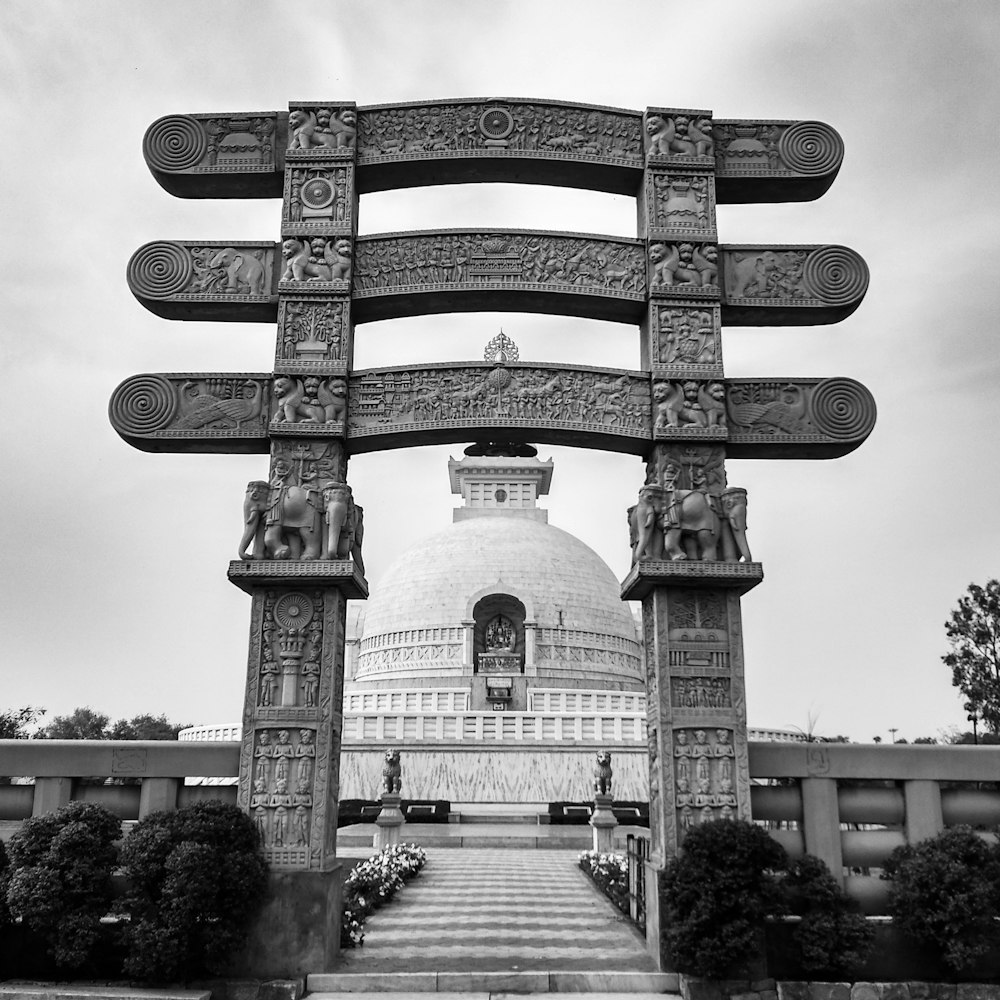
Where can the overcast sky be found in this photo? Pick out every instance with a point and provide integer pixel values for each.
(113, 589)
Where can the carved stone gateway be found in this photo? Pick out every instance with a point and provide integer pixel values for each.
(299, 549)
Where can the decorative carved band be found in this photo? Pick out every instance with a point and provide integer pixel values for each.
(174, 143)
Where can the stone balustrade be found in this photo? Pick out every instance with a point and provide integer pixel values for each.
(849, 804)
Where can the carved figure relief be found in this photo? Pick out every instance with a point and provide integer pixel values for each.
(531, 258)
(700, 692)
(766, 274)
(310, 400)
(683, 264)
(218, 403)
(283, 818)
(679, 135)
(680, 201)
(709, 755)
(684, 337)
(699, 610)
(502, 392)
(536, 128)
(242, 272)
(318, 194)
(322, 128)
(689, 404)
(318, 259)
(312, 331)
(768, 407)
(806, 147)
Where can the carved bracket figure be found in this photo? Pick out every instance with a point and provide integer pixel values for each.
(683, 264)
(318, 260)
(345, 527)
(689, 404)
(675, 524)
(310, 400)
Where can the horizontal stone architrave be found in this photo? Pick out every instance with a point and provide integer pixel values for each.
(113, 758)
(229, 412)
(568, 274)
(397, 407)
(599, 148)
(461, 270)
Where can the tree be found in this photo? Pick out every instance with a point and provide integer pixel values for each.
(14, 724)
(81, 724)
(973, 630)
(145, 727)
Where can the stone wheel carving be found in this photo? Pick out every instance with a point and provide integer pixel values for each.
(811, 148)
(293, 611)
(176, 142)
(496, 123)
(842, 408)
(143, 404)
(836, 275)
(159, 270)
(317, 193)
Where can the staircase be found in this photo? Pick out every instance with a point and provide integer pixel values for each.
(494, 921)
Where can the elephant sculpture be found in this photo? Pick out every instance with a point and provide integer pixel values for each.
(245, 274)
(685, 524)
(254, 509)
(344, 529)
(293, 521)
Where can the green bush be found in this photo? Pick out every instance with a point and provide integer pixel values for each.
(4, 880)
(59, 882)
(196, 878)
(373, 882)
(717, 894)
(833, 938)
(610, 873)
(945, 894)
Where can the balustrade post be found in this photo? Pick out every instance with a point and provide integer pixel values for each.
(821, 823)
(158, 795)
(924, 818)
(51, 794)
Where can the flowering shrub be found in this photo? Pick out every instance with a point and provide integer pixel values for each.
(610, 874)
(372, 883)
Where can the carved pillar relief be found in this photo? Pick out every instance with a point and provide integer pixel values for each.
(292, 723)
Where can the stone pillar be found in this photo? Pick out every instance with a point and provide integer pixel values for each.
(290, 758)
(695, 704)
(603, 822)
(388, 821)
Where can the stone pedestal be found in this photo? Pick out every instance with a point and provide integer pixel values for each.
(388, 821)
(290, 758)
(695, 702)
(603, 821)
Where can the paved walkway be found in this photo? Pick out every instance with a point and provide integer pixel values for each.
(499, 910)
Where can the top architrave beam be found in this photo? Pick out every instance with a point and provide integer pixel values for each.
(232, 155)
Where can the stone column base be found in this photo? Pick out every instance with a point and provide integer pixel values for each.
(297, 931)
(388, 821)
(603, 821)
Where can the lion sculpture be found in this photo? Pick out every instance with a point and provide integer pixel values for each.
(392, 773)
(602, 773)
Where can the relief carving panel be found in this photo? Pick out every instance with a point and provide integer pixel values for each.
(776, 147)
(513, 394)
(312, 333)
(319, 196)
(685, 336)
(193, 272)
(595, 265)
(468, 128)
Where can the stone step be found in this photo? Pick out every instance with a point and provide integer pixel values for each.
(70, 991)
(594, 985)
